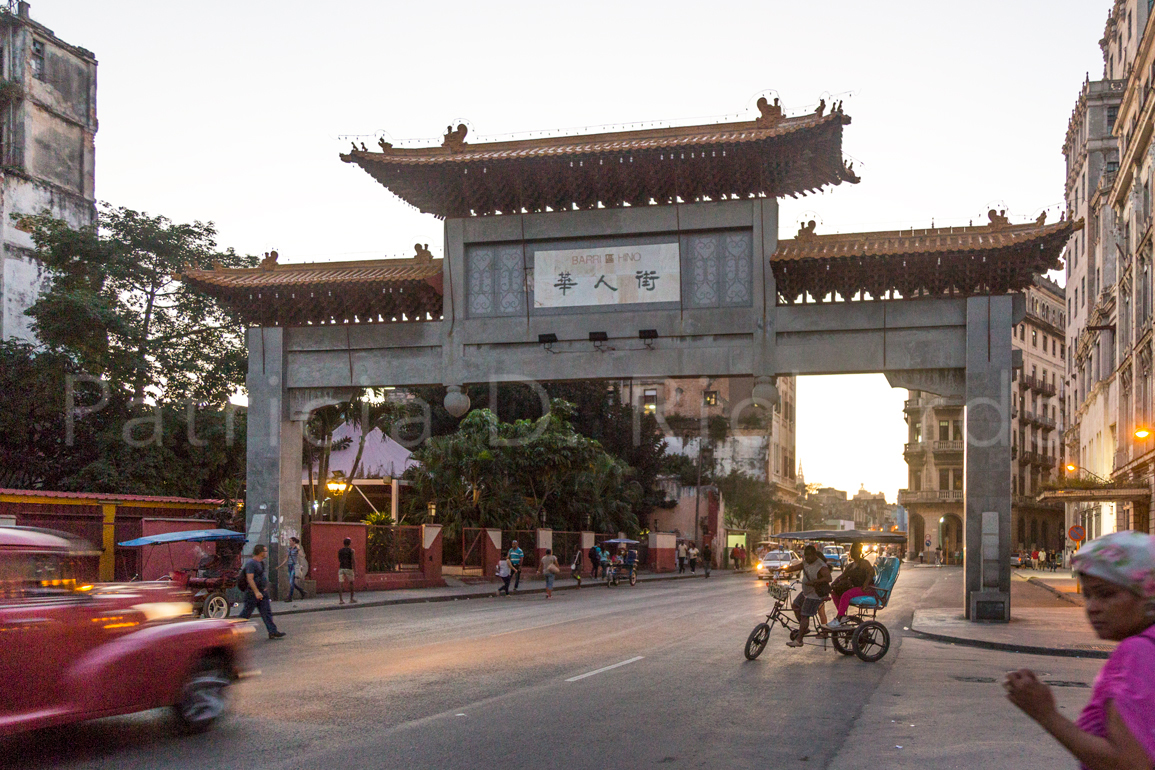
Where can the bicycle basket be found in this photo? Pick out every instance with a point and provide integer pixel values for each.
(779, 592)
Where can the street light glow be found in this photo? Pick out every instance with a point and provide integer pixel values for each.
(1071, 468)
(1142, 433)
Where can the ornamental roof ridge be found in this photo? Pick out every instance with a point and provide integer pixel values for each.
(455, 148)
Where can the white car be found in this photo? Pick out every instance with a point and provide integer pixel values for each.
(774, 561)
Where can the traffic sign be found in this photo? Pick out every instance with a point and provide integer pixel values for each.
(927, 544)
(1077, 533)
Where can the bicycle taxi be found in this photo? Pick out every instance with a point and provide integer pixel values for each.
(627, 568)
(862, 634)
(210, 582)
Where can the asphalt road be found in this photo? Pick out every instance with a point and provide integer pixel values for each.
(519, 683)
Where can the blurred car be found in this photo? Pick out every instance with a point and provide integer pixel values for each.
(773, 561)
(74, 651)
(836, 556)
(1019, 559)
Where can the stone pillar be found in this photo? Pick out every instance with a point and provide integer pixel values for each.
(491, 542)
(544, 542)
(273, 453)
(662, 546)
(987, 459)
(431, 551)
(587, 540)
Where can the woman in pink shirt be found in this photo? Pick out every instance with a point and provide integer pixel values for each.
(1117, 728)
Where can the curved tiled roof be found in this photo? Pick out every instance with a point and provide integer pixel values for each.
(773, 156)
(327, 292)
(959, 261)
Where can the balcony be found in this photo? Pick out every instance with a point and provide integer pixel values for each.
(1044, 422)
(947, 447)
(1038, 385)
(911, 405)
(907, 496)
(916, 450)
(1035, 458)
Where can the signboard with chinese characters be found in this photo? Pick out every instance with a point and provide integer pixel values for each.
(607, 275)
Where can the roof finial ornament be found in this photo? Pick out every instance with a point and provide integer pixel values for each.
(806, 231)
(771, 114)
(1042, 220)
(423, 253)
(385, 146)
(354, 147)
(455, 138)
(821, 108)
(270, 260)
(998, 218)
(849, 169)
(364, 148)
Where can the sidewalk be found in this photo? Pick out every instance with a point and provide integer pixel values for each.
(1060, 583)
(1053, 631)
(457, 590)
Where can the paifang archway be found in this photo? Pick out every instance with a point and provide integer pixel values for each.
(643, 253)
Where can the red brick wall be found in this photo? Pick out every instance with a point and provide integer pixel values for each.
(326, 538)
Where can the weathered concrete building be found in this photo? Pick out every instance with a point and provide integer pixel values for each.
(1110, 172)
(47, 151)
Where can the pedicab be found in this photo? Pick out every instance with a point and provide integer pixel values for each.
(861, 634)
(211, 580)
(628, 568)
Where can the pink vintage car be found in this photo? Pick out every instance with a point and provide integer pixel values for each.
(72, 650)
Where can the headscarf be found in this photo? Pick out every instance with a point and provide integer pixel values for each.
(1126, 559)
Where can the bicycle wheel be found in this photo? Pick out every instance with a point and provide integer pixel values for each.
(842, 641)
(871, 641)
(757, 640)
(633, 577)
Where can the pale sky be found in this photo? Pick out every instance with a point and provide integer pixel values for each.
(235, 112)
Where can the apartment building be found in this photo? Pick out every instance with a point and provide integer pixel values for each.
(758, 442)
(47, 151)
(1111, 170)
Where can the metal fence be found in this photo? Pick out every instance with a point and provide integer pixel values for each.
(393, 549)
(565, 545)
(471, 546)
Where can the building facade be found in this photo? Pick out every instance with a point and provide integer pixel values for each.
(1110, 172)
(935, 444)
(47, 151)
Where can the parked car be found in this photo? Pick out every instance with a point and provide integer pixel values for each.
(1019, 559)
(74, 651)
(774, 561)
(836, 556)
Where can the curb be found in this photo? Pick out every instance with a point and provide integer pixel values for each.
(454, 597)
(1025, 649)
(1052, 589)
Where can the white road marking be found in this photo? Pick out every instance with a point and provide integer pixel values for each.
(607, 668)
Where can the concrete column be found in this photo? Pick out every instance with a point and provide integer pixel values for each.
(587, 540)
(431, 551)
(544, 542)
(273, 451)
(987, 457)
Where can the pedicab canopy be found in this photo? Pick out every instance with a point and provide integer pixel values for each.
(843, 536)
(192, 536)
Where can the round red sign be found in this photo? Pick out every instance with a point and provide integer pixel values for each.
(1077, 533)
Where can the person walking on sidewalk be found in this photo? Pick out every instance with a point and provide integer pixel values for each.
(595, 561)
(575, 569)
(682, 551)
(516, 556)
(346, 571)
(1117, 727)
(693, 556)
(707, 558)
(255, 596)
(505, 572)
(295, 560)
(548, 567)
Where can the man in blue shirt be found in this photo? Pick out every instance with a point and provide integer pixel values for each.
(515, 557)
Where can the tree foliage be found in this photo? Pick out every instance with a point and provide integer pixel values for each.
(749, 501)
(127, 392)
(525, 473)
